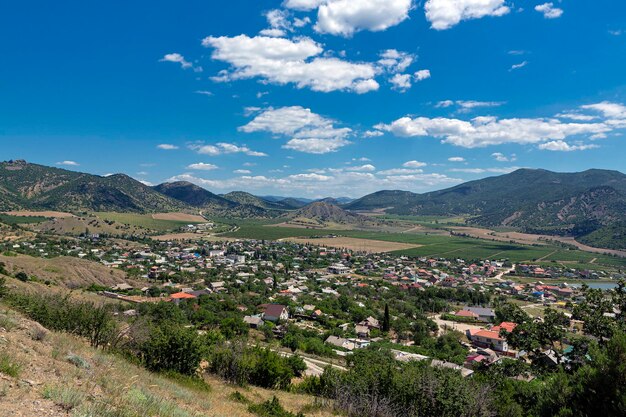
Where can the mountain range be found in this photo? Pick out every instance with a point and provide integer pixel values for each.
(589, 205)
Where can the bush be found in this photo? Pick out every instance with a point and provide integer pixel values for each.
(271, 408)
(21, 276)
(96, 323)
(8, 366)
(173, 348)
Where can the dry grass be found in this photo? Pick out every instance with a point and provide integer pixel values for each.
(180, 217)
(52, 384)
(363, 245)
(54, 214)
(67, 271)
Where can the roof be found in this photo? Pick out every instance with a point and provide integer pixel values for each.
(506, 325)
(488, 334)
(274, 310)
(181, 295)
(481, 311)
(465, 313)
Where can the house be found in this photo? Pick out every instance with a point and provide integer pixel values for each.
(177, 297)
(484, 314)
(362, 331)
(338, 269)
(275, 312)
(466, 314)
(488, 339)
(505, 325)
(340, 342)
(254, 321)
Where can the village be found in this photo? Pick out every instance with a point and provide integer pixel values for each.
(326, 302)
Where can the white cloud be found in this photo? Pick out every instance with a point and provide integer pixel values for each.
(561, 146)
(484, 170)
(223, 148)
(444, 14)
(500, 157)
(486, 131)
(393, 60)
(608, 109)
(401, 82)
(518, 66)
(175, 57)
(456, 159)
(242, 171)
(345, 17)
(549, 11)
(273, 33)
(201, 166)
(309, 132)
(468, 105)
(617, 32)
(422, 75)
(167, 147)
(576, 116)
(362, 168)
(68, 163)
(316, 145)
(303, 5)
(337, 182)
(372, 134)
(283, 61)
(400, 171)
(414, 164)
(204, 93)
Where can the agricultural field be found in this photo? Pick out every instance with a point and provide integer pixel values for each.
(361, 245)
(145, 221)
(437, 245)
(180, 217)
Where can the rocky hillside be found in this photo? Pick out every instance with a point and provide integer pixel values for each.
(36, 187)
(532, 200)
(323, 214)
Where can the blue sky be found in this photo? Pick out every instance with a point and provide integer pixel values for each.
(314, 97)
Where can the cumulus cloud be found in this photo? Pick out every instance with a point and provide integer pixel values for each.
(167, 147)
(178, 58)
(68, 163)
(395, 61)
(444, 14)
(327, 182)
(414, 164)
(345, 17)
(201, 166)
(487, 131)
(456, 159)
(422, 75)
(401, 82)
(223, 148)
(373, 134)
(303, 5)
(309, 132)
(500, 157)
(284, 61)
(562, 146)
(549, 11)
(484, 170)
(242, 171)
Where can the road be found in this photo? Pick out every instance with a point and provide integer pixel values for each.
(314, 367)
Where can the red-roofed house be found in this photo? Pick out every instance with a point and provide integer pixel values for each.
(467, 314)
(505, 325)
(489, 339)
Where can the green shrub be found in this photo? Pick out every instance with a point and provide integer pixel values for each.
(271, 408)
(8, 366)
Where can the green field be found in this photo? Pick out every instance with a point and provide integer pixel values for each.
(8, 219)
(143, 220)
(447, 247)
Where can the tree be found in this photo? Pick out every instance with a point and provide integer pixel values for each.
(21, 276)
(386, 319)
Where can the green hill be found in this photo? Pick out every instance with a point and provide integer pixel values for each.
(36, 187)
(532, 200)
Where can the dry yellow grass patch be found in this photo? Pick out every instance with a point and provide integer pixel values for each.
(363, 245)
(55, 214)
